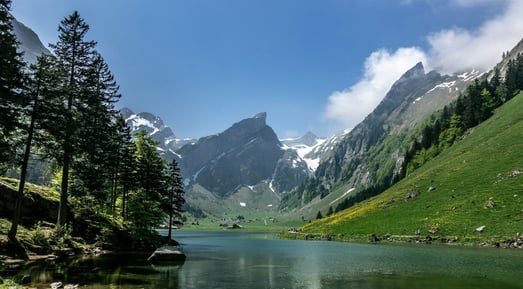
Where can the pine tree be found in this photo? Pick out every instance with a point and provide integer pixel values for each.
(41, 82)
(11, 84)
(74, 54)
(127, 165)
(146, 202)
(511, 79)
(150, 166)
(176, 196)
(97, 148)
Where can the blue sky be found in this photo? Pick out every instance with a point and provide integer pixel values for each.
(202, 65)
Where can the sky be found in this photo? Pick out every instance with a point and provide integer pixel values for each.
(316, 65)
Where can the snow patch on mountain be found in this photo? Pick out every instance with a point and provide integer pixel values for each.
(137, 122)
(453, 83)
(156, 129)
(304, 146)
(311, 148)
(342, 196)
(471, 75)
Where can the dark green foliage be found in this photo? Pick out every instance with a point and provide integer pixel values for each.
(97, 147)
(514, 77)
(11, 84)
(125, 167)
(470, 109)
(36, 85)
(149, 167)
(330, 211)
(74, 54)
(319, 215)
(145, 205)
(119, 188)
(176, 196)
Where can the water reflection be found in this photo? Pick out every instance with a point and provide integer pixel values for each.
(107, 271)
(239, 260)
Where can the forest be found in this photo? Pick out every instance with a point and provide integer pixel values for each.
(60, 112)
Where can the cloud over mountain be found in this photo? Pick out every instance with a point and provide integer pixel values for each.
(451, 50)
(458, 49)
(382, 68)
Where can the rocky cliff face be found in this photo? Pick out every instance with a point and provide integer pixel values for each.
(370, 155)
(30, 43)
(347, 154)
(511, 55)
(245, 154)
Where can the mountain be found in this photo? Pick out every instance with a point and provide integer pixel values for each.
(156, 129)
(369, 158)
(308, 147)
(30, 43)
(244, 164)
(246, 154)
(470, 193)
(510, 55)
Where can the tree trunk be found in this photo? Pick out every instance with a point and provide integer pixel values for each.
(62, 209)
(23, 171)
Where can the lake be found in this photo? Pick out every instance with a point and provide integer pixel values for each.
(259, 260)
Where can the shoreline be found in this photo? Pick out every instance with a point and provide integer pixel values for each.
(506, 243)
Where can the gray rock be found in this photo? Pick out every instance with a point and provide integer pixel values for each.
(412, 195)
(166, 254)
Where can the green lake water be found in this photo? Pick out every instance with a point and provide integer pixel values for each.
(258, 260)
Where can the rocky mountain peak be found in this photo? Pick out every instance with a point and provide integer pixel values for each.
(249, 125)
(415, 72)
(244, 154)
(261, 115)
(156, 129)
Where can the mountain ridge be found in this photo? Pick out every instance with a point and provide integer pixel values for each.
(30, 43)
(481, 202)
(369, 157)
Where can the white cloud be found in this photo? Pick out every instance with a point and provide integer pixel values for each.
(458, 49)
(382, 68)
(452, 50)
(463, 3)
(470, 3)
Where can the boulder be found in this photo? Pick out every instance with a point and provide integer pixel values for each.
(411, 195)
(480, 229)
(490, 203)
(167, 254)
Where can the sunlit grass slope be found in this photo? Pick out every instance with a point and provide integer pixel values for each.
(477, 182)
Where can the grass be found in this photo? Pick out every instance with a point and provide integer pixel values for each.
(485, 167)
(43, 191)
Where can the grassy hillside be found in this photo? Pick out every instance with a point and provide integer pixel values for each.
(477, 182)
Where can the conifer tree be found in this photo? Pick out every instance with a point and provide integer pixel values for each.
(127, 165)
(176, 196)
(145, 204)
(97, 150)
(119, 137)
(42, 82)
(11, 83)
(74, 54)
